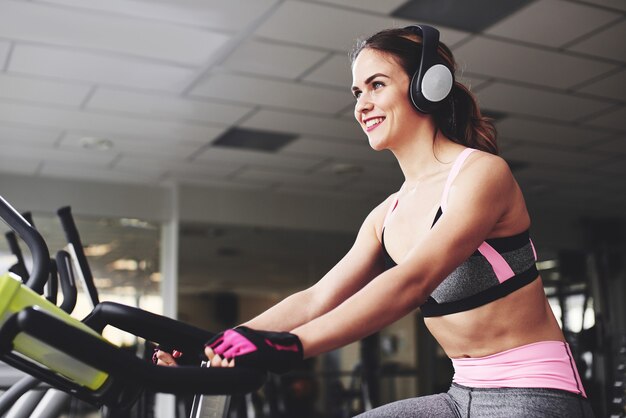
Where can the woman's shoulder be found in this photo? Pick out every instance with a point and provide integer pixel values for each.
(487, 167)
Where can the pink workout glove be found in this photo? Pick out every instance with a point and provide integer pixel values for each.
(277, 352)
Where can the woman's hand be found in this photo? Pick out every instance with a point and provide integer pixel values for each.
(163, 358)
(216, 361)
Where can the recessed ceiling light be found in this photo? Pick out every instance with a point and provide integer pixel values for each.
(96, 143)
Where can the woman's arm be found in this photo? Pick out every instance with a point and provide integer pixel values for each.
(480, 197)
(358, 267)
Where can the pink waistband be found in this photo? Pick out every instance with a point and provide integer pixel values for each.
(545, 364)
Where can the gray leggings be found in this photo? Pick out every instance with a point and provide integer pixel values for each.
(464, 402)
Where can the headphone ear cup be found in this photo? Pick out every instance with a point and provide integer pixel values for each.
(433, 88)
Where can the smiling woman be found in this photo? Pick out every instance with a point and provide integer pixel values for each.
(454, 241)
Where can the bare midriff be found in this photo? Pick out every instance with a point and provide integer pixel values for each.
(520, 318)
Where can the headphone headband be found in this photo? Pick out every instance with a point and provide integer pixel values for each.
(432, 82)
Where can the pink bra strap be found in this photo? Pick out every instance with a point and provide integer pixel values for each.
(454, 171)
(390, 210)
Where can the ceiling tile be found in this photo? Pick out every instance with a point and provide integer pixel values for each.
(162, 105)
(227, 184)
(172, 169)
(537, 102)
(535, 23)
(101, 69)
(294, 179)
(305, 125)
(50, 154)
(312, 191)
(521, 63)
(167, 151)
(253, 158)
(10, 164)
(5, 47)
(341, 27)
(334, 72)
(607, 44)
(266, 58)
(605, 87)
(250, 90)
(615, 146)
(90, 122)
(224, 15)
(356, 170)
(36, 22)
(45, 91)
(614, 4)
(548, 156)
(25, 135)
(549, 133)
(339, 151)
(615, 119)
(90, 173)
(376, 6)
(616, 167)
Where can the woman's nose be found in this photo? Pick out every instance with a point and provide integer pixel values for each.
(363, 104)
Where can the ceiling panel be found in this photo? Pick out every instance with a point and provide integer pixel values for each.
(50, 154)
(605, 87)
(41, 23)
(615, 146)
(173, 168)
(376, 6)
(549, 133)
(131, 146)
(249, 90)
(615, 119)
(614, 4)
(538, 102)
(215, 14)
(163, 105)
(211, 182)
(11, 164)
(23, 135)
(305, 124)
(5, 47)
(254, 158)
(556, 157)
(271, 59)
(535, 23)
(347, 26)
(335, 71)
(299, 179)
(339, 151)
(608, 43)
(615, 167)
(45, 91)
(503, 60)
(96, 174)
(115, 125)
(97, 68)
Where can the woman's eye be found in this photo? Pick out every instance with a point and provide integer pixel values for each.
(377, 85)
(357, 94)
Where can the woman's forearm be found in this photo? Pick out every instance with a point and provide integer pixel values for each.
(291, 312)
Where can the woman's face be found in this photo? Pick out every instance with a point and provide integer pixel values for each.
(380, 87)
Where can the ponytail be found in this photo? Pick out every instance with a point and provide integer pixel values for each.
(461, 120)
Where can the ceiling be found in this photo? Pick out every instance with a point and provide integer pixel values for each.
(137, 91)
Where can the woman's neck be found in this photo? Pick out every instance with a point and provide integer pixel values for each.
(429, 152)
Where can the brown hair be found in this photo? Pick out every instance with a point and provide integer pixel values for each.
(459, 117)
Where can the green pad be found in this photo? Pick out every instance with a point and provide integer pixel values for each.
(14, 297)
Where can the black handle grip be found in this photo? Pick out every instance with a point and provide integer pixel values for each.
(72, 236)
(68, 281)
(19, 268)
(33, 240)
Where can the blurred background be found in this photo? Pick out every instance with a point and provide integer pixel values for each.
(210, 156)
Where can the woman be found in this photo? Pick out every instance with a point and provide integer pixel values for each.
(453, 241)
